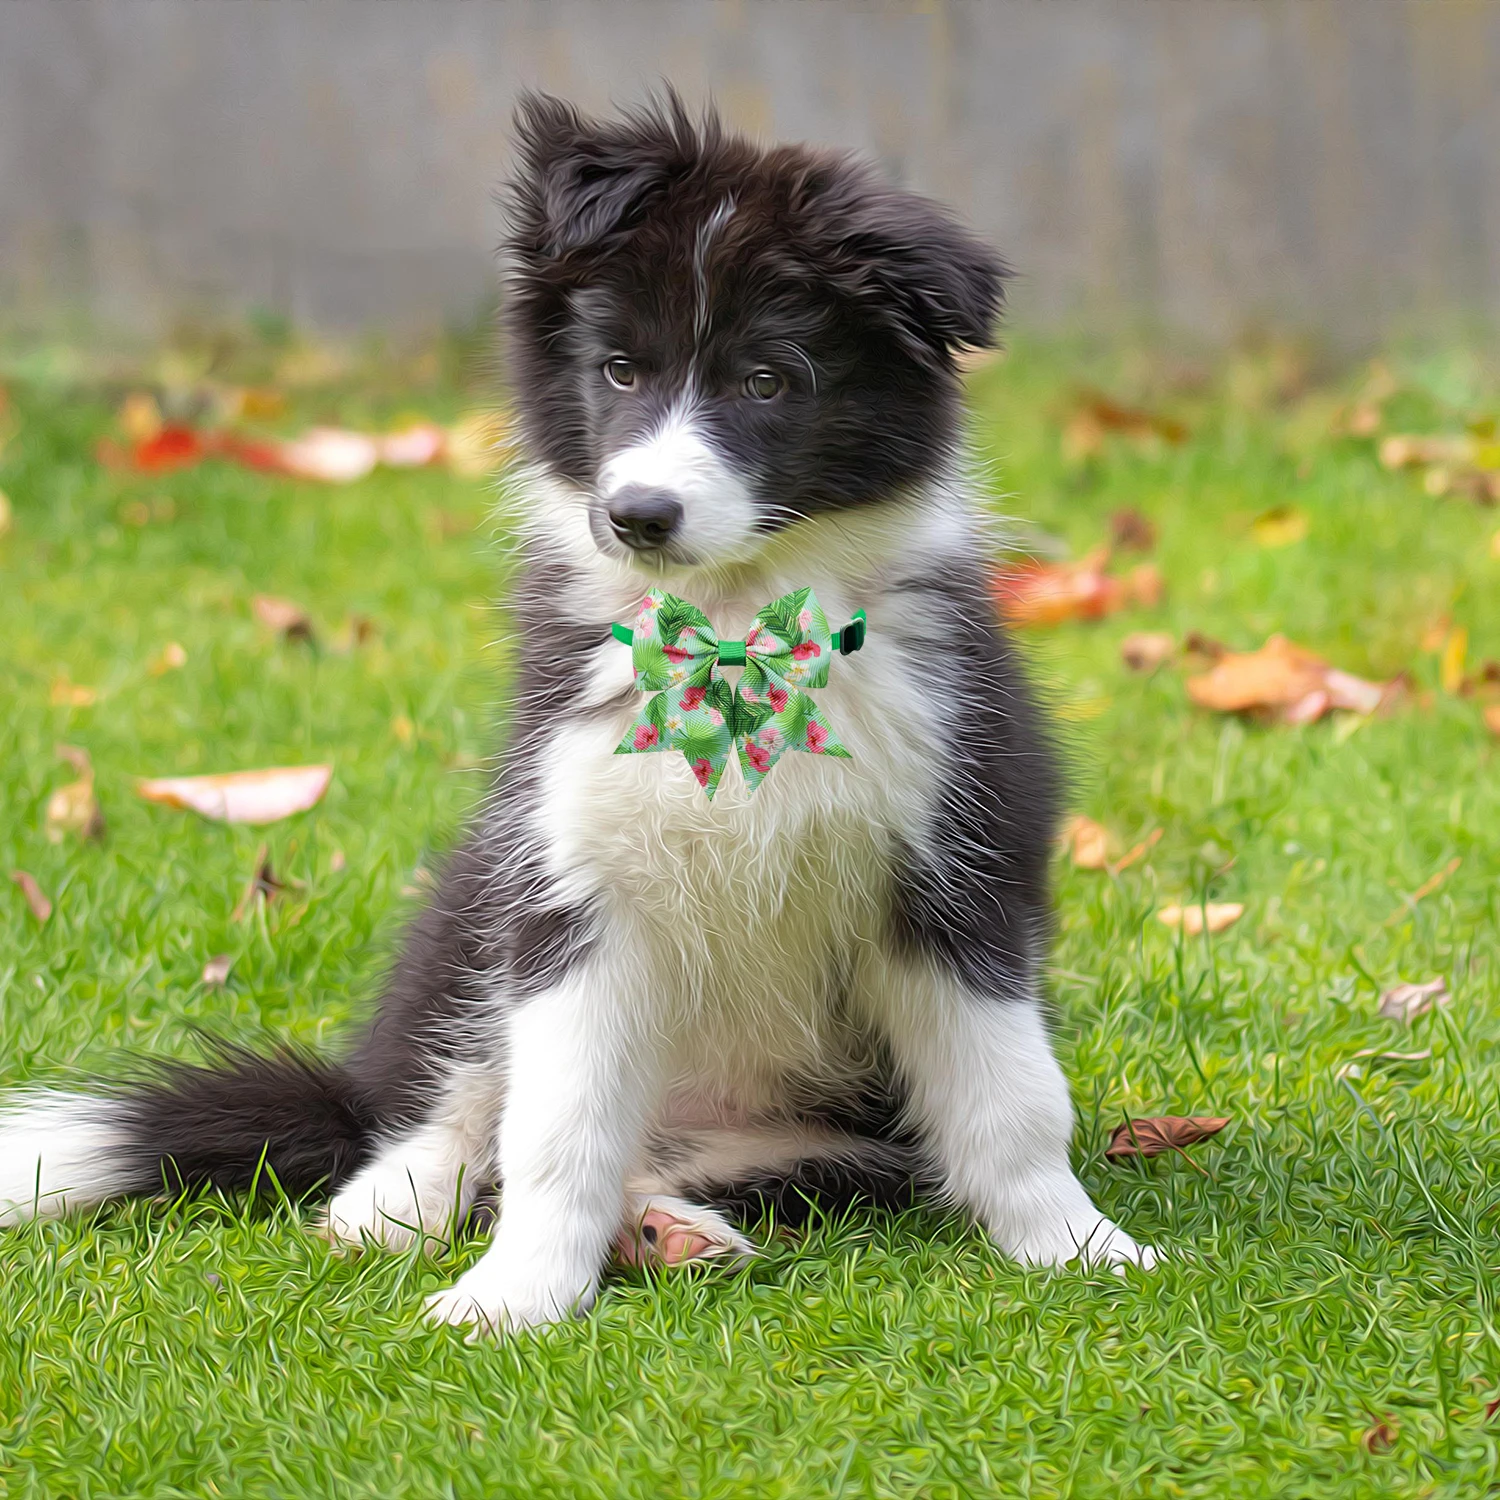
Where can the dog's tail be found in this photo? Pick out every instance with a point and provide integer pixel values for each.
(240, 1119)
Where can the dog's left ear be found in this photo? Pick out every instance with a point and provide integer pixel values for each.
(908, 263)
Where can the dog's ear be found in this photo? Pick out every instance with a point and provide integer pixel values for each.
(578, 182)
(906, 262)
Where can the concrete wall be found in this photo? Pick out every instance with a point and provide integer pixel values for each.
(1203, 163)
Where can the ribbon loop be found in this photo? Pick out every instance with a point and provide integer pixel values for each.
(677, 657)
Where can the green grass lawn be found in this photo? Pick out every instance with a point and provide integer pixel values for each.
(1333, 1264)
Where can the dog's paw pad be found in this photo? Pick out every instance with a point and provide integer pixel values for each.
(667, 1233)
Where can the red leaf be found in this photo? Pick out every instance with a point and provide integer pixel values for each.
(41, 907)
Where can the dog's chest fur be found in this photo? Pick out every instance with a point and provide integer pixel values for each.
(742, 922)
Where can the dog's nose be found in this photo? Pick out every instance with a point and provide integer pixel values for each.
(644, 519)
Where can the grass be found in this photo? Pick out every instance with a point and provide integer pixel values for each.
(1333, 1265)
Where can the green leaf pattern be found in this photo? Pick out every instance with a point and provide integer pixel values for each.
(676, 657)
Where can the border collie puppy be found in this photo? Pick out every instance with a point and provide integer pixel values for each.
(647, 1015)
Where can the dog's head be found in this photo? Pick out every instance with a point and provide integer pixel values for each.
(711, 341)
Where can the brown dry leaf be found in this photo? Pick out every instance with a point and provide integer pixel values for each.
(1406, 450)
(1130, 531)
(1490, 1408)
(1098, 417)
(1138, 853)
(283, 616)
(1146, 650)
(1160, 1134)
(1088, 843)
(7, 515)
(1451, 663)
(1280, 526)
(243, 796)
(1424, 890)
(357, 630)
(41, 907)
(1216, 916)
(1381, 1438)
(172, 657)
(1407, 1002)
(73, 808)
(216, 970)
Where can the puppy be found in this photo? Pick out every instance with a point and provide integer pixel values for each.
(646, 1014)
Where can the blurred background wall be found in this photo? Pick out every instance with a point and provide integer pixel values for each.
(1199, 165)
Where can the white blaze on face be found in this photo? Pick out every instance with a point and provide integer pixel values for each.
(678, 459)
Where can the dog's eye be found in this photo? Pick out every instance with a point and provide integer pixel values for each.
(620, 373)
(763, 385)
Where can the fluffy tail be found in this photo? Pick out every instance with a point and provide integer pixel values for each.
(219, 1125)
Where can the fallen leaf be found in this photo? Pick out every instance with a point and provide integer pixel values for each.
(1130, 531)
(1098, 416)
(1204, 647)
(1088, 843)
(413, 447)
(1138, 853)
(139, 417)
(243, 796)
(73, 808)
(1492, 718)
(1406, 1002)
(1280, 526)
(283, 616)
(1285, 679)
(173, 656)
(41, 907)
(403, 728)
(1192, 919)
(357, 630)
(7, 515)
(216, 970)
(1146, 650)
(254, 403)
(262, 886)
(1381, 1438)
(1038, 593)
(1146, 585)
(1490, 1408)
(65, 694)
(1451, 663)
(1406, 450)
(173, 447)
(332, 454)
(1160, 1134)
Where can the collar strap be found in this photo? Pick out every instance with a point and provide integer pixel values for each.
(732, 653)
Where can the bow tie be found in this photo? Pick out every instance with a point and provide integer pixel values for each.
(677, 657)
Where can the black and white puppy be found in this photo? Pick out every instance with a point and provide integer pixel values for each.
(646, 1015)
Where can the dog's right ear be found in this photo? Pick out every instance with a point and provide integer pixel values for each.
(579, 182)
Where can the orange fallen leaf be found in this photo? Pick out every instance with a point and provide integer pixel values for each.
(41, 907)
(1097, 416)
(1492, 718)
(216, 970)
(282, 616)
(243, 796)
(172, 657)
(1408, 1002)
(65, 694)
(1160, 1134)
(1216, 916)
(413, 447)
(1039, 593)
(1285, 679)
(1146, 650)
(1088, 843)
(171, 448)
(1381, 1437)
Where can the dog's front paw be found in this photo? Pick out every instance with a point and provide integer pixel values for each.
(494, 1300)
(1056, 1223)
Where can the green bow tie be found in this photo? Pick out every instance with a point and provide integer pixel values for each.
(677, 656)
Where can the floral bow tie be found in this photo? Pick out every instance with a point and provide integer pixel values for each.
(677, 656)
